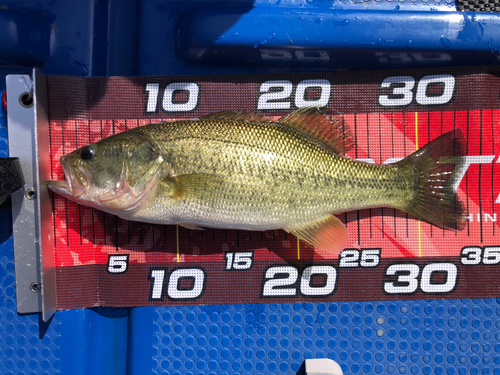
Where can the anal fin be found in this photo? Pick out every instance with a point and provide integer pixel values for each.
(190, 226)
(329, 234)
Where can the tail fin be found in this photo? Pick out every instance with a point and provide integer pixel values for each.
(433, 199)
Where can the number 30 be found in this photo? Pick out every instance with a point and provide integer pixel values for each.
(408, 281)
(402, 90)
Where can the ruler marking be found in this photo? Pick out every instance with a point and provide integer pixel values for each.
(298, 248)
(51, 192)
(418, 222)
(392, 142)
(116, 217)
(93, 210)
(356, 156)
(79, 206)
(65, 200)
(467, 177)
(55, 214)
(380, 156)
(370, 213)
(177, 240)
(404, 151)
(142, 234)
(480, 170)
(493, 172)
(453, 152)
(428, 141)
(80, 222)
(103, 213)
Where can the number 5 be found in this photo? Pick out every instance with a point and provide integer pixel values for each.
(117, 263)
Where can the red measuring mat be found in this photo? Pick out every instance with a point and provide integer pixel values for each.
(103, 260)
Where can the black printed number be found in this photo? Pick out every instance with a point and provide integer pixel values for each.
(239, 260)
(407, 278)
(315, 281)
(181, 284)
(117, 263)
(350, 258)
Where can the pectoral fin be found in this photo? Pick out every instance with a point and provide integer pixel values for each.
(192, 186)
(328, 234)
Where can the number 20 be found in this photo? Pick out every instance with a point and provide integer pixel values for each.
(280, 281)
(276, 94)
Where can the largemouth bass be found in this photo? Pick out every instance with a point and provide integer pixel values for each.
(243, 171)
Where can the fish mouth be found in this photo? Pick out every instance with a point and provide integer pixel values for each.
(76, 180)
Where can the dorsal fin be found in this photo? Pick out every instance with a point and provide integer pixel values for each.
(329, 129)
(237, 116)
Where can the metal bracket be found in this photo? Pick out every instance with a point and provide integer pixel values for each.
(31, 209)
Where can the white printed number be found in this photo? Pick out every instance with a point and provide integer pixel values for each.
(315, 281)
(117, 263)
(278, 94)
(402, 90)
(187, 104)
(473, 255)
(350, 258)
(239, 261)
(409, 279)
(194, 278)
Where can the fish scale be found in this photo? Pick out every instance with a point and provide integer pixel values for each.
(300, 176)
(225, 171)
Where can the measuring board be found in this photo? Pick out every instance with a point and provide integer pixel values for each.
(389, 254)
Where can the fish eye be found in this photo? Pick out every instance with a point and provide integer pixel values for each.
(86, 153)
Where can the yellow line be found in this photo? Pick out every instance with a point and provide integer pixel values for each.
(177, 235)
(298, 248)
(416, 130)
(416, 148)
(419, 240)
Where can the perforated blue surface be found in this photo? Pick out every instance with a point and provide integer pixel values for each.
(415, 337)
(412, 337)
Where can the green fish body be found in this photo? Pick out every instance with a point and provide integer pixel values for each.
(243, 171)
